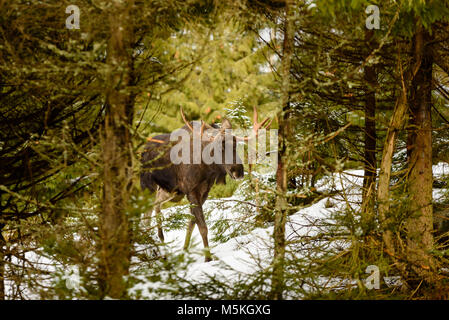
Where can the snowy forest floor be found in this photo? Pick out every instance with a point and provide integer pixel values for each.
(240, 251)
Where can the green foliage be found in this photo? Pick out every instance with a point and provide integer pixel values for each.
(209, 58)
(224, 190)
(224, 74)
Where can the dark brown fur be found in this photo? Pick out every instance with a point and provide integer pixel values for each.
(191, 180)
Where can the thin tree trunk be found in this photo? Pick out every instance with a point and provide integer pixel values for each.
(2, 252)
(281, 173)
(370, 166)
(419, 224)
(117, 157)
(383, 188)
(2, 264)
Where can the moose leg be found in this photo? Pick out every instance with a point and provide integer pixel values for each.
(146, 219)
(197, 211)
(159, 222)
(190, 228)
(200, 221)
(161, 197)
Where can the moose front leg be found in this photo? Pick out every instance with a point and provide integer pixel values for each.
(197, 212)
(201, 222)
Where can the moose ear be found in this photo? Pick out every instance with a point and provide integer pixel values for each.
(226, 124)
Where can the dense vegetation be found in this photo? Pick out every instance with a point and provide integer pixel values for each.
(77, 106)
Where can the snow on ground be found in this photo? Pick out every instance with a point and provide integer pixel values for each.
(243, 254)
(239, 252)
(48, 269)
(250, 249)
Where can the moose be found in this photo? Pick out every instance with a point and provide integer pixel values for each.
(172, 180)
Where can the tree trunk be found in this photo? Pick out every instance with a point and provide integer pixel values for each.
(383, 188)
(2, 264)
(370, 165)
(117, 157)
(281, 173)
(419, 224)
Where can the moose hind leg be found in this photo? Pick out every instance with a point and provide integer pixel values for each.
(161, 197)
(190, 228)
(146, 218)
(160, 233)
